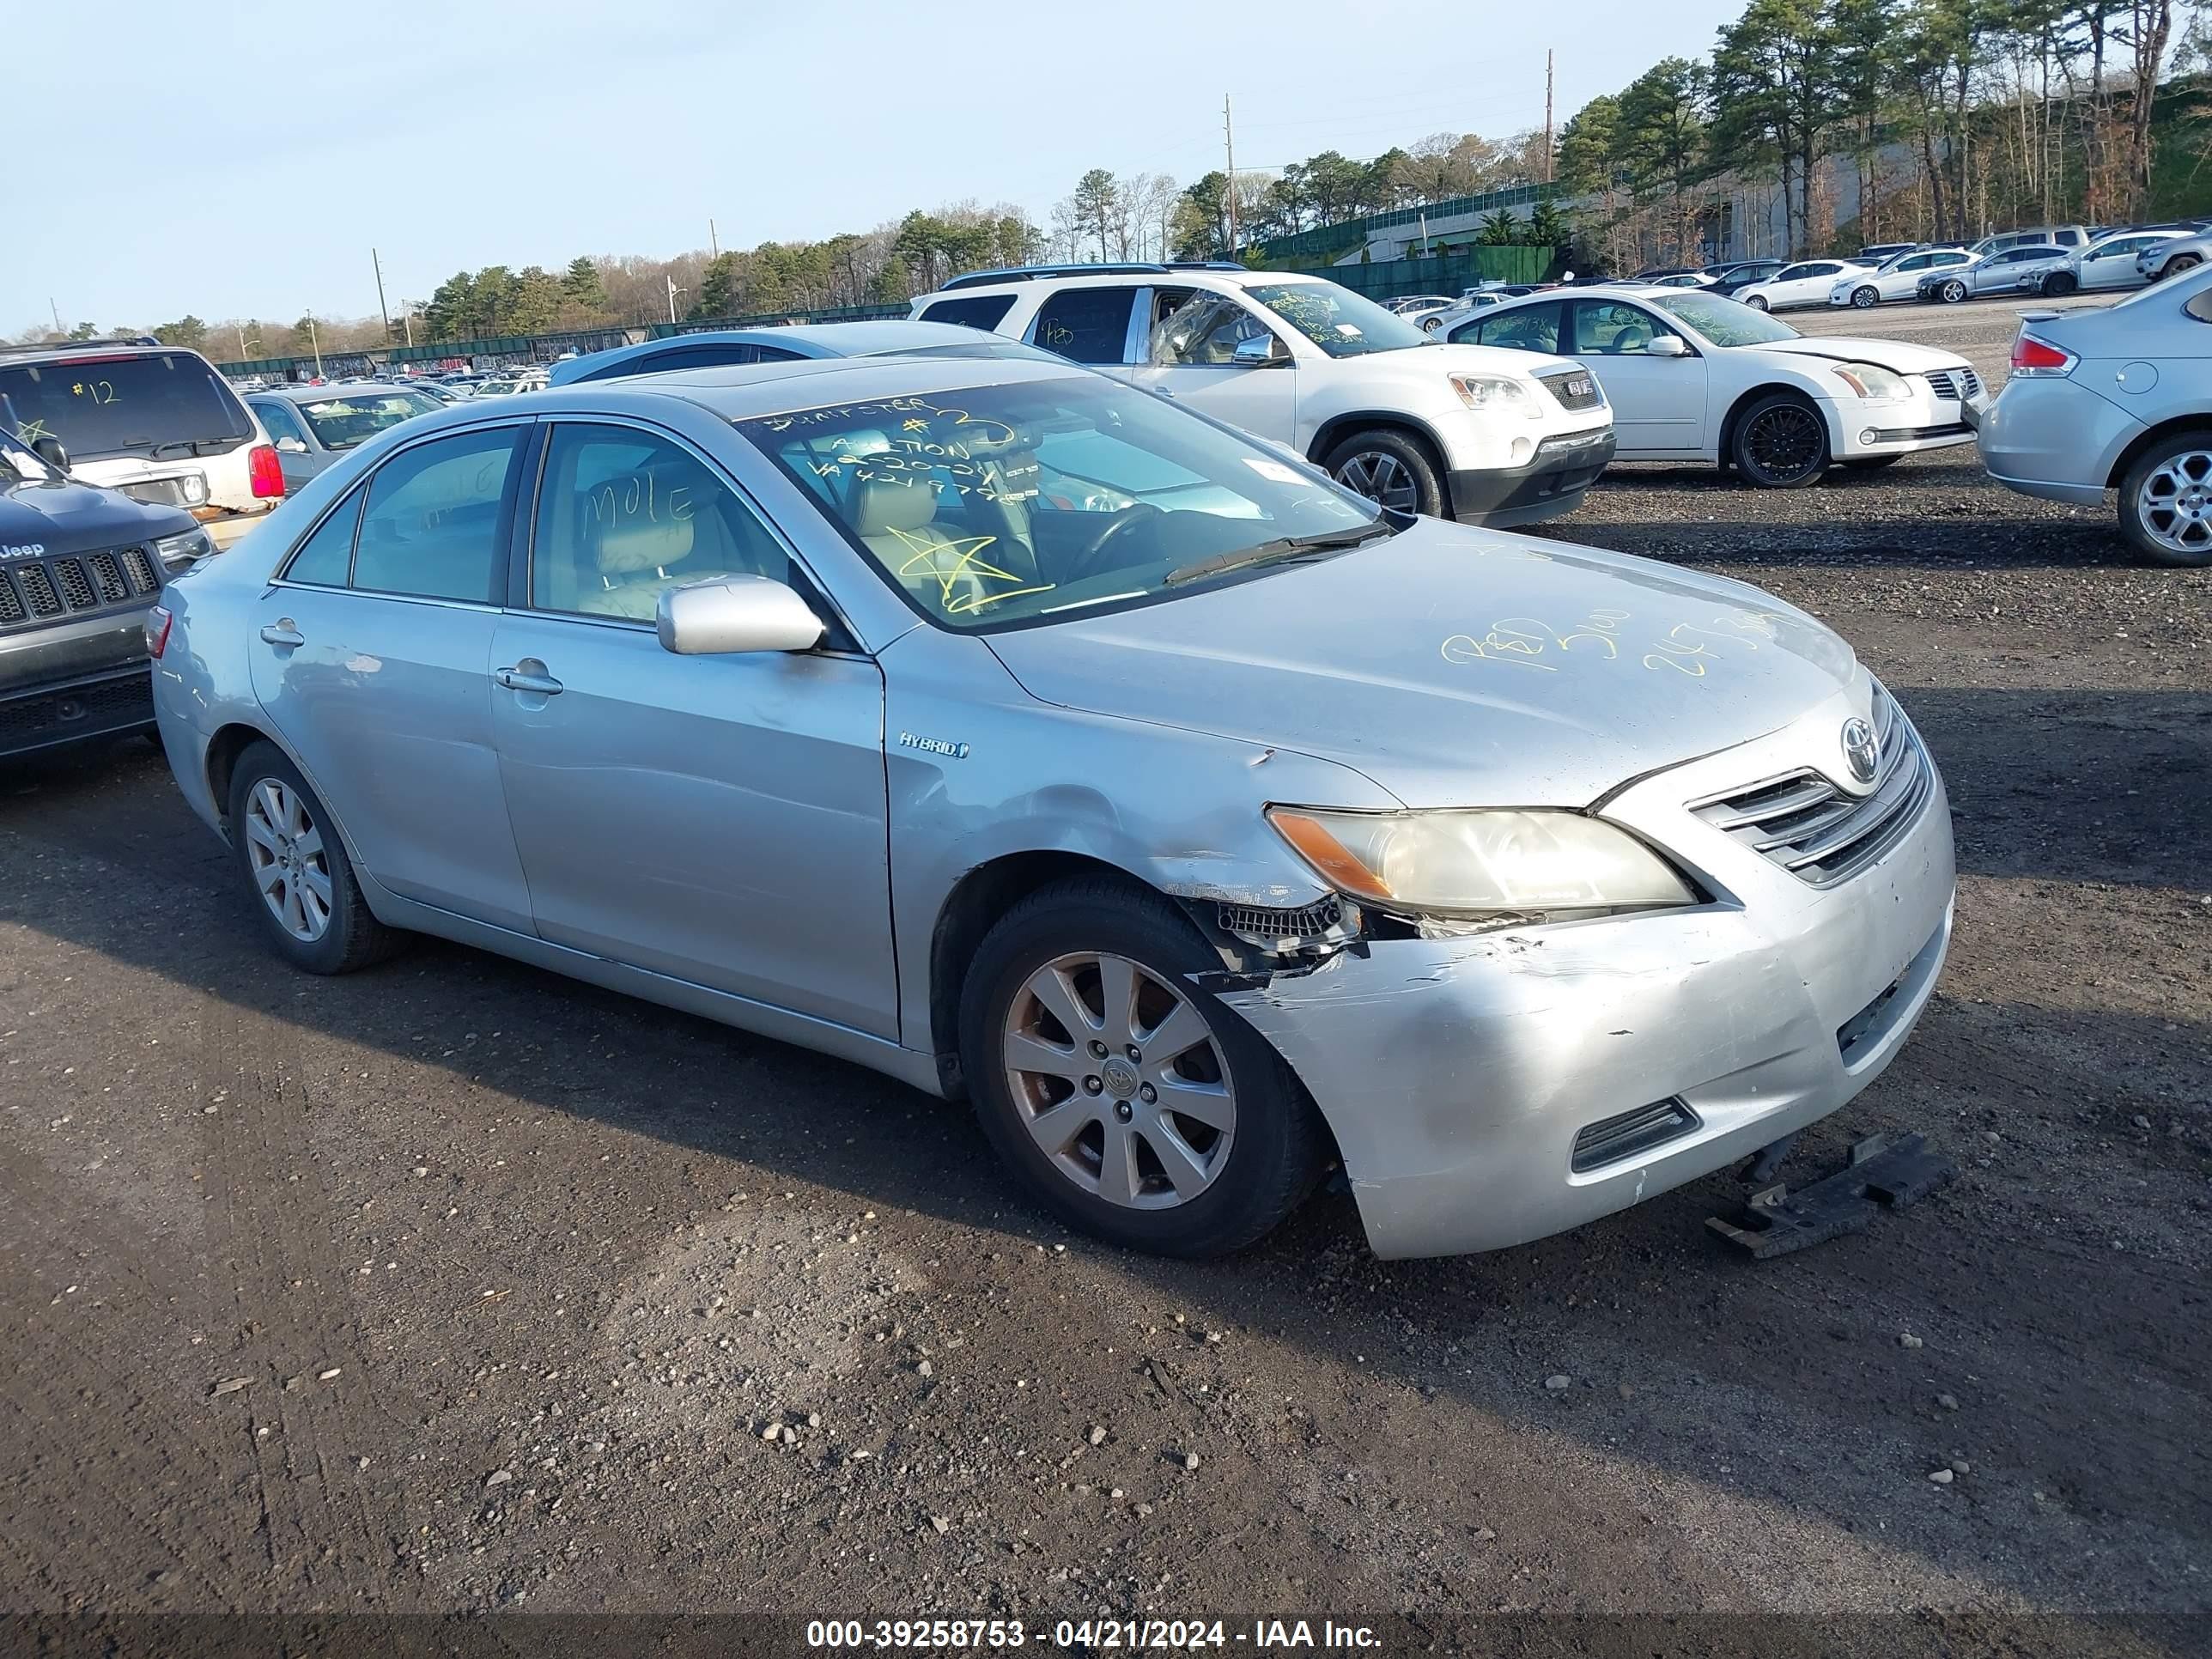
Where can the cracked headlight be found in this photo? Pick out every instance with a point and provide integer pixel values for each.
(1873, 382)
(1497, 394)
(190, 548)
(1468, 865)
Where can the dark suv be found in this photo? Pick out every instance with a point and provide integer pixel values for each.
(80, 567)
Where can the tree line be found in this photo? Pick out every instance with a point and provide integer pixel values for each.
(1949, 118)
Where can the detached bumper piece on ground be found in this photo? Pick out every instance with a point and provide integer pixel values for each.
(1881, 1175)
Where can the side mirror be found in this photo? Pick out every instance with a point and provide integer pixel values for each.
(1258, 352)
(729, 614)
(49, 450)
(1667, 345)
(292, 446)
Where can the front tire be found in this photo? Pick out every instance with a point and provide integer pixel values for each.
(1781, 442)
(2059, 282)
(1390, 468)
(1866, 297)
(2165, 501)
(2179, 262)
(1128, 1101)
(295, 867)
(1952, 292)
(1757, 302)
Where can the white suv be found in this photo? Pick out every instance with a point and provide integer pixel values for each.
(1457, 431)
(153, 421)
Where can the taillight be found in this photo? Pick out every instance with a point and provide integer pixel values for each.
(266, 472)
(157, 630)
(2032, 356)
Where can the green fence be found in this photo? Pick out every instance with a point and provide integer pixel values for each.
(1323, 240)
(1446, 274)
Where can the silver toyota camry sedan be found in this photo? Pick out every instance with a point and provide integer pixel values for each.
(1029, 739)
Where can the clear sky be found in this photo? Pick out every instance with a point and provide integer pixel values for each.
(240, 159)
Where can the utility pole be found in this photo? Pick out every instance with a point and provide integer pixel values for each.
(1229, 138)
(714, 247)
(244, 356)
(377, 266)
(57, 310)
(1547, 115)
(673, 292)
(316, 340)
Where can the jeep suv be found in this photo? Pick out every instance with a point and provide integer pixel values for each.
(155, 421)
(80, 569)
(1457, 431)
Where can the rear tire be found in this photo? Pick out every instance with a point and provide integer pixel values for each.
(1063, 1127)
(1390, 468)
(294, 866)
(2165, 501)
(1780, 442)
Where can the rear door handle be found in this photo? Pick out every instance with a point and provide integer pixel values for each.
(283, 632)
(530, 677)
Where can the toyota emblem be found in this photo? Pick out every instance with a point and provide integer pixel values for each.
(1860, 748)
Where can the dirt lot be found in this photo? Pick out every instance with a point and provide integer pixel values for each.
(455, 1286)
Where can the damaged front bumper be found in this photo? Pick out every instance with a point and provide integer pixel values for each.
(1493, 1089)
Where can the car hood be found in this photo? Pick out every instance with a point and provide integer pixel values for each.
(1490, 359)
(74, 518)
(1897, 355)
(1455, 667)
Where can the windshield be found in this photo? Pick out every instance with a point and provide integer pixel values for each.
(343, 422)
(1725, 322)
(1338, 321)
(998, 505)
(155, 404)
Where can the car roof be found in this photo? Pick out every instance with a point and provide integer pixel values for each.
(1162, 276)
(859, 339)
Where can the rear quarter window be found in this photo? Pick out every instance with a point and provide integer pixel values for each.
(983, 311)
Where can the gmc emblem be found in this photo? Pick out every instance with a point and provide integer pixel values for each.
(1578, 388)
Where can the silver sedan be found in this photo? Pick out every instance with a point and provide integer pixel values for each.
(1024, 737)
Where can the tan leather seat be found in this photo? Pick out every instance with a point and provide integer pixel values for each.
(894, 520)
(633, 560)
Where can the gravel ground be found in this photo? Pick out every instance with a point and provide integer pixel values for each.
(454, 1287)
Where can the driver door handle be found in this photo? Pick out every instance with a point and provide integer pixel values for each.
(283, 631)
(531, 678)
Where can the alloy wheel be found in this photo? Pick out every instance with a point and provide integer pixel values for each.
(1785, 442)
(1120, 1081)
(284, 850)
(1954, 292)
(1381, 476)
(2175, 503)
(1864, 298)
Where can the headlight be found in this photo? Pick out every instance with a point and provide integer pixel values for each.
(1496, 394)
(191, 547)
(1872, 382)
(1506, 865)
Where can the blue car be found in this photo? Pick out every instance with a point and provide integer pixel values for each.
(714, 348)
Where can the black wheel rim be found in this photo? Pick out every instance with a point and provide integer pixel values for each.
(1784, 444)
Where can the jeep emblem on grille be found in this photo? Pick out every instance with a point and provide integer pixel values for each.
(1859, 749)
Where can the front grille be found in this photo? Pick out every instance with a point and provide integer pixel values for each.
(38, 590)
(1575, 388)
(1954, 385)
(1630, 1134)
(1821, 833)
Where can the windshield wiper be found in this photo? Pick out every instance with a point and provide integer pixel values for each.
(1279, 550)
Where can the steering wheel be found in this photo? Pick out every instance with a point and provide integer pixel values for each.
(1089, 560)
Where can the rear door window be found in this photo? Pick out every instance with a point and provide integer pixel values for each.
(326, 558)
(983, 311)
(1529, 328)
(1086, 324)
(279, 422)
(162, 405)
(434, 518)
